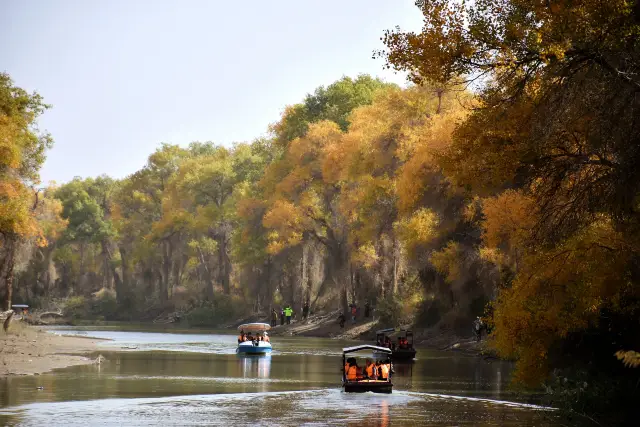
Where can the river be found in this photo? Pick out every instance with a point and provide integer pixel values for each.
(171, 378)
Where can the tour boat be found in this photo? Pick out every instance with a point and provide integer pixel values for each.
(362, 385)
(398, 352)
(258, 345)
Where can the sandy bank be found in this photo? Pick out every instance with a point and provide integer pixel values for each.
(27, 351)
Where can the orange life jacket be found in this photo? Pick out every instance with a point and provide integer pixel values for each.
(352, 373)
(384, 371)
(371, 370)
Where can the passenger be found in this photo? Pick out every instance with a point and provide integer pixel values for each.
(384, 371)
(241, 337)
(371, 371)
(352, 371)
(266, 337)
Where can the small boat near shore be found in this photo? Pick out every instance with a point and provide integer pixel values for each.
(254, 339)
(362, 384)
(402, 350)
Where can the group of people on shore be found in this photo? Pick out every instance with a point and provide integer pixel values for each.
(354, 310)
(286, 313)
(372, 371)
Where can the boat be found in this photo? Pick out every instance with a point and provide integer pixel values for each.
(362, 385)
(258, 345)
(399, 351)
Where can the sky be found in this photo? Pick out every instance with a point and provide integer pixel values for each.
(124, 76)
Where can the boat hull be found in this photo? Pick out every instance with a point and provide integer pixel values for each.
(249, 348)
(363, 387)
(398, 355)
(404, 354)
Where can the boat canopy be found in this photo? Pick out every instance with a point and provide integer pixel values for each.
(254, 327)
(365, 347)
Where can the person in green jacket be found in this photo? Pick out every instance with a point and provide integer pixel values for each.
(288, 311)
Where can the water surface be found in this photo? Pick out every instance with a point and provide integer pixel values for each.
(152, 378)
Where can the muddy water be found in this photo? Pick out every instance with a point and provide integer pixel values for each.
(153, 378)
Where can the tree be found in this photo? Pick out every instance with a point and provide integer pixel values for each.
(557, 84)
(22, 152)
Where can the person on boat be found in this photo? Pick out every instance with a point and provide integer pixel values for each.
(371, 372)
(341, 320)
(241, 337)
(351, 371)
(266, 338)
(383, 370)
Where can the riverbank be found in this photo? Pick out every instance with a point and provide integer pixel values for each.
(326, 326)
(25, 350)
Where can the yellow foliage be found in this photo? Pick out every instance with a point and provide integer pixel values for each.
(366, 256)
(419, 229)
(510, 217)
(16, 214)
(556, 292)
(630, 359)
(448, 262)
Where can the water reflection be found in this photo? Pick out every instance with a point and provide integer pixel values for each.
(255, 366)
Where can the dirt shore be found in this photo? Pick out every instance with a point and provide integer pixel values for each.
(26, 350)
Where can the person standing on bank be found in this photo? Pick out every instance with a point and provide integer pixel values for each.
(305, 311)
(288, 311)
(281, 316)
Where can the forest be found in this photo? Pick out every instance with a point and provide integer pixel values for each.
(502, 182)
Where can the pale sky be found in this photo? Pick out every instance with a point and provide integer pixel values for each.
(124, 76)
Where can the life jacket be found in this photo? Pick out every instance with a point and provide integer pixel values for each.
(352, 373)
(287, 312)
(384, 371)
(371, 370)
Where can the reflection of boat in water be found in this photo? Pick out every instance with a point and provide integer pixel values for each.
(403, 349)
(255, 367)
(361, 384)
(255, 344)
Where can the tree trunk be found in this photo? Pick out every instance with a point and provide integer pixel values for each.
(224, 269)
(166, 270)
(6, 270)
(304, 282)
(119, 285)
(207, 274)
(126, 273)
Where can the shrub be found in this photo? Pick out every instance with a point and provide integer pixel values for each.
(222, 309)
(76, 307)
(104, 305)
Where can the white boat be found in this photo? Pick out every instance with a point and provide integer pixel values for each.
(259, 345)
